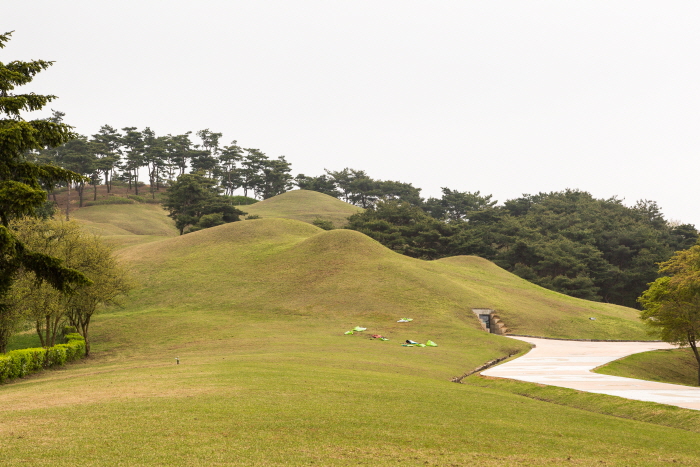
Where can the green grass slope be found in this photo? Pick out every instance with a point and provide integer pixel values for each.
(256, 312)
(528, 309)
(127, 224)
(676, 366)
(305, 206)
(286, 265)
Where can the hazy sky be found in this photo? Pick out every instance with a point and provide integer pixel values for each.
(504, 97)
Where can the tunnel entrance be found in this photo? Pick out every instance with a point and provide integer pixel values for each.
(490, 321)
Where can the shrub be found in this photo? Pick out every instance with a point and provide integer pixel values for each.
(145, 199)
(19, 363)
(252, 217)
(324, 224)
(241, 200)
(110, 200)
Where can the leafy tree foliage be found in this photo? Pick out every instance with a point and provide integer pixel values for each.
(358, 188)
(565, 241)
(205, 156)
(230, 157)
(194, 201)
(132, 142)
(276, 178)
(107, 152)
(457, 205)
(586, 247)
(672, 302)
(22, 181)
(323, 224)
(79, 156)
(323, 184)
(404, 228)
(49, 308)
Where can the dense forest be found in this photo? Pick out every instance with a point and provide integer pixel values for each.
(568, 241)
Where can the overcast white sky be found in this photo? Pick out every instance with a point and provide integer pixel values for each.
(503, 97)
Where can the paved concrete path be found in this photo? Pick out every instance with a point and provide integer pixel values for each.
(568, 364)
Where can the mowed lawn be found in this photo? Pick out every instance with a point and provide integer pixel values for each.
(305, 206)
(676, 366)
(124, 225)
(256, 312)
(287, 392)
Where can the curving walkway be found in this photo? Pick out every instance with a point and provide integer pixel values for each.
(568, 364)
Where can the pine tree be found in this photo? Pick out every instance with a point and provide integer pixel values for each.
(21, 191)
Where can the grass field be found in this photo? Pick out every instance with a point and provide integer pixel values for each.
(127, 224)
(256, 312)
(305, 206)
(676, 366)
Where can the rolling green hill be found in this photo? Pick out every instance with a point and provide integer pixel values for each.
(256, 312)
(305, 206)
(127, 224)
(287, 265)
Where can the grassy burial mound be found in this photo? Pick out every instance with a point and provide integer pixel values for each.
(305, 206)
(529, 309)
(303, 286)
(127, 224)
(296, 268)
(256, 312)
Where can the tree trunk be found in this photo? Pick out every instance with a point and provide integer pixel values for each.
(68, 204)
(694, 346)
(94, 192)
(47, 342)
(54, 330)
(84, 328)
(80, 188)
(38, 331)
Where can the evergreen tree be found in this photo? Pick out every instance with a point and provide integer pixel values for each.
(194, 202)
(107, 143)
(21, 191)
(229, 159)
(132, 142)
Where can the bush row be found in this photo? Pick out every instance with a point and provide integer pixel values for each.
(239, 200)
(110, 200)
(19, 363)
(144, 199)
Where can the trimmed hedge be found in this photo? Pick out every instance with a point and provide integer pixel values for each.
(19, 363)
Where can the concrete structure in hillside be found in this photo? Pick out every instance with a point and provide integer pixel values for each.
(568, 364)
(490, 321)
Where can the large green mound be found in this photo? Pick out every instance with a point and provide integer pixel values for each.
(256, 313)
(529, 309)
(283, 264)
(127, 224)
(305, 206)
